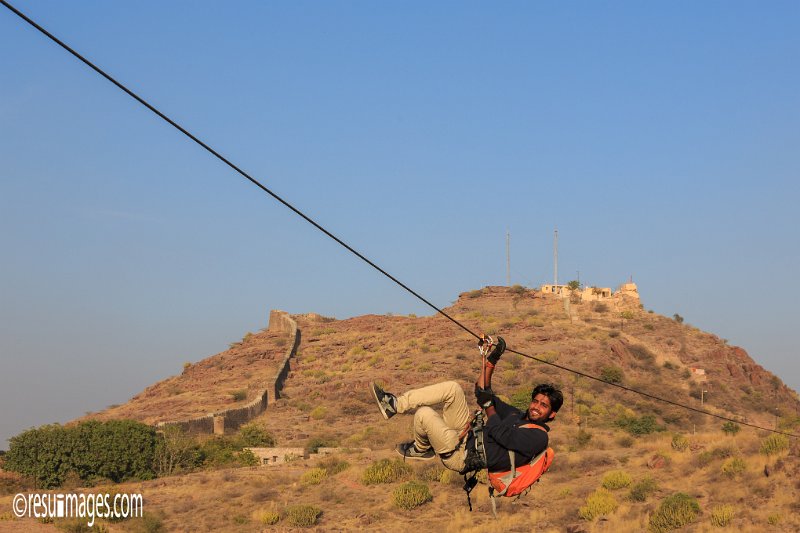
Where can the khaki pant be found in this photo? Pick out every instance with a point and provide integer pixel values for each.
(435, 430)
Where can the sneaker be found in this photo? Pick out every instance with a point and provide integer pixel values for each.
(409, 451)
(386, 401)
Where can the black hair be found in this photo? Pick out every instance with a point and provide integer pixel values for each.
(553, 394)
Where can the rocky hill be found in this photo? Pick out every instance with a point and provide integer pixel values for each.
(325, 402)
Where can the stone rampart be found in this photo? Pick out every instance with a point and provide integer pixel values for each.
(219, 421)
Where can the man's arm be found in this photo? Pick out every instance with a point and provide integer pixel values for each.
(483, 388)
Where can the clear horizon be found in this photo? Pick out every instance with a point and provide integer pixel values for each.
(659, 139)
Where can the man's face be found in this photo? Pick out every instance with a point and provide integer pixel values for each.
(539, 410)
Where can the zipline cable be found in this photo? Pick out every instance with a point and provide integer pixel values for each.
(337, 239)
(226, 161)
(648, 395)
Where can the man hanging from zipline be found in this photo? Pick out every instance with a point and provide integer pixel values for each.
(465, 443)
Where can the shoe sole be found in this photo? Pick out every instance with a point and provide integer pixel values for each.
(414, 457)
(380, 406)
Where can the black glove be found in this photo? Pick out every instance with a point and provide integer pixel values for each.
(485, 397)
(499, 348)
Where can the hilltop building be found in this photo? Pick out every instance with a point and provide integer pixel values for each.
(591, 294)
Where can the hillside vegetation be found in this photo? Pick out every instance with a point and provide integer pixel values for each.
(623, 462)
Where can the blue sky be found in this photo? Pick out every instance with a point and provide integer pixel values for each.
(661, 140)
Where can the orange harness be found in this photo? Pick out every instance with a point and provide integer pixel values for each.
(517, 481)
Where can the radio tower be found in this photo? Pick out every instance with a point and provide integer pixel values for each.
(555, 259)
(508, 258)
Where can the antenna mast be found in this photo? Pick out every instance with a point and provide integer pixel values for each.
(508, 258)
(555, 258)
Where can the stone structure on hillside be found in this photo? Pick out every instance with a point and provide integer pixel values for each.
(276, 456)
(591, 294)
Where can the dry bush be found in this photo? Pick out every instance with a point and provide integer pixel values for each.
(333, 465)
(432, 472)
(616, 479)
(386, 471)
(734, 467)
(675, 511)
(774, 444)
(679, 442)
(266, 517)
(303, 515)
(599, 503)
(410, 495)
(315, 476)
(642, 489)
(722, 515)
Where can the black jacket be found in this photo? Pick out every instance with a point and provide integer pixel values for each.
(503, 433)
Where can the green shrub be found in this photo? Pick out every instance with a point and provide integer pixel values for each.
(254, 435)
(774, 519)
(521, 399)
(722, 515)
(239, 395)
(731, 428)
(412, 494)
(611, 374)
(639, 426)
(386, 471)
(303, 515)
(118, 450)
(616, 479)
(774, 444)
(675, 511)
(315, 443)
(642, 489)
(733, 467)
(315, 476)
(599, 503)
(679, 442)
(519, 290)
(221, 451)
